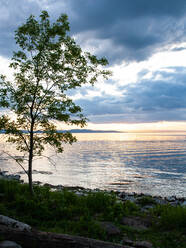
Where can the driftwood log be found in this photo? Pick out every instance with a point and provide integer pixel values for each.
(34, 239)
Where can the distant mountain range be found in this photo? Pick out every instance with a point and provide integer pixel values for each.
(108, 131)
(90, 131)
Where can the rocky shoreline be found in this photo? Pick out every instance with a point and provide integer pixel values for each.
(132, 223)
(147, 201)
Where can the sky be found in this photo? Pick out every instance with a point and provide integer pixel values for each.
(145, 44)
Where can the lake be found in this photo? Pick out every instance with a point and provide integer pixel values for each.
(150, 163)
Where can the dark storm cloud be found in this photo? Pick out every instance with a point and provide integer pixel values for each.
(133, 29)
(12, 14)
(120, 30)
(101, 14)
(138, 28)
(146, 101)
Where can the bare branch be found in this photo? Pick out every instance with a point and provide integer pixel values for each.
(51, 161)
(16, 161)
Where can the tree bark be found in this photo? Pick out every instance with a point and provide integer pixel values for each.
(30, 175)
(30, 159)
(52, 240)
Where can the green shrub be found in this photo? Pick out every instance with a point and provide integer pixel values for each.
(88, 228)
(3, 209)
(130, 208)
(65, 212)
(100, 201)
(146, 200)
(173, 218)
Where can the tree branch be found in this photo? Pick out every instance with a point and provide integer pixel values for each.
(16, 161)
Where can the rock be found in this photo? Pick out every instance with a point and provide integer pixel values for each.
(147, 207)
(9, 222)
(122, 195)
(110, 228)
(136, 222)
(183, 204)
(143, 244)
(160, 201)
(79, 193)
(50, 185)
(37, 183)
(130, 198)
(9, 244)
(59, 187)
(3, 175)
(171, 198)
(14, 177)
(74, 188)
(11, 177)
(127, 242)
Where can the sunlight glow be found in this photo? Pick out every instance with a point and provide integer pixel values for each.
(162, 126)
(127, 73)
(140, 127)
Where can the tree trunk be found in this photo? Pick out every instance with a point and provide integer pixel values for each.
(30, 159)
(30, 174)
(51, 240)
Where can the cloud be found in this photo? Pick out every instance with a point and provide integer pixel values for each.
(12, 14)
(126, 30)
(135, 28)
(146, 101)
(142, 39)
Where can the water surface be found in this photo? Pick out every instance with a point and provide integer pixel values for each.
(153, 163)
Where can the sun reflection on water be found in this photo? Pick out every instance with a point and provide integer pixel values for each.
(141, 162)
(131, 136)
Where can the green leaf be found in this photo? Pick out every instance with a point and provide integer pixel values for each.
(47, 65)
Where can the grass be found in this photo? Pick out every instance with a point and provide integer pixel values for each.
(65, 212)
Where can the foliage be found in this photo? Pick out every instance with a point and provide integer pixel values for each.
(58, 211)
(146, 200)
(65, 212)
(171, 218)
(48, 65)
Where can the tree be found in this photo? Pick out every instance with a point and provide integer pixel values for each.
(48, 64)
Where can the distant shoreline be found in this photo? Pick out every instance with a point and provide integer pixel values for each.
(108, 131)
(74, 131)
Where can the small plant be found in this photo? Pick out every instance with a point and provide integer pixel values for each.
(65, 212)
(146, 200)
(130, 208)
(173, 218)
(100, 201)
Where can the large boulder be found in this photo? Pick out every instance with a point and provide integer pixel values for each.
(137, 223)
(9, 244)
(9, 222)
